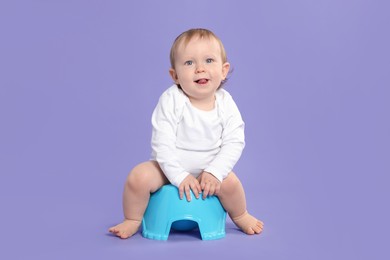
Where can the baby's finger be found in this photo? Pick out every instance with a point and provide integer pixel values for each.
(188, 194)
(195, 190)
(202, 185)
(206, 190)
(217, 189)
(198, 187)
(181, 192)
(212, 190)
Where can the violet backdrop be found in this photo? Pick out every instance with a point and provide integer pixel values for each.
(79, 81)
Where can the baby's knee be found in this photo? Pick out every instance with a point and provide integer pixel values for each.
(230, 183)
(138, 178)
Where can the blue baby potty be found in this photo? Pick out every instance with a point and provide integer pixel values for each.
(166, 210)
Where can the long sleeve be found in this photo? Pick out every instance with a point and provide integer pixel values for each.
(165, 119)
(233, 140)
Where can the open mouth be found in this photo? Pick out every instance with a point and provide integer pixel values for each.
(201, 81)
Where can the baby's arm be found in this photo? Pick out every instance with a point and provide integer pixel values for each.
(164, 120)
(233, 141)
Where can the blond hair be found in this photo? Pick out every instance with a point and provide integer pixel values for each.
(187, 36)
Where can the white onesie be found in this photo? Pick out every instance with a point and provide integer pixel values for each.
(186, 140)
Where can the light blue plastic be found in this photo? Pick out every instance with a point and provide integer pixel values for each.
(166, 210)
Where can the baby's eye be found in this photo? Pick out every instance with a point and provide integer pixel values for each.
(209, 60)
(189, 63)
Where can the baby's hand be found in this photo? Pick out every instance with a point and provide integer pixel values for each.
(209, 184)
(188, 184)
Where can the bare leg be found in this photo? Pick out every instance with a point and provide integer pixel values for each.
(232, 197)
(144, 179)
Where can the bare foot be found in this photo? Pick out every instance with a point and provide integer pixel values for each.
(126, 229)
(248, 224)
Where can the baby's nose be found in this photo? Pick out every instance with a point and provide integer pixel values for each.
(200, 68)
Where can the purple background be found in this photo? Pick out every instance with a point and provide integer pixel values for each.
(79, 81)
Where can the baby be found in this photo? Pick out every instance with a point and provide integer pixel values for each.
(197, 138)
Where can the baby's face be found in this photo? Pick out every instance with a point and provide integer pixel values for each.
(199, 68)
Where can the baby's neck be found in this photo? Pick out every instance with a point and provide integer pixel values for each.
(205, 105)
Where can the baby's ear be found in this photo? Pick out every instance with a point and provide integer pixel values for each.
(225, 69)
(173, 74)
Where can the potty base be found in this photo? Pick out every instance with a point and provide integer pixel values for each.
(166, 210)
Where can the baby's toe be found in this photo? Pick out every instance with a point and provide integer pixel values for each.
(250, 231)
(124, 235)
(257, 229)
(260, 224)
